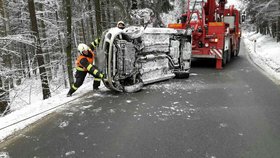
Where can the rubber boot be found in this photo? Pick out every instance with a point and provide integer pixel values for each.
(96, 84)
(71, 91)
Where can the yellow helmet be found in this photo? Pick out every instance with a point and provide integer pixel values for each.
(82, 47)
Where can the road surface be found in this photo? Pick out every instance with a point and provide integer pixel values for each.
(232, 113)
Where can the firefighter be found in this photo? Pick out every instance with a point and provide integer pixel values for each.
(84, 65)
(121, 25)
(123, 36)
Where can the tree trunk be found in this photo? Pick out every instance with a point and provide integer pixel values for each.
(28, 63)
(4, 86)
(278, 30)
(25, 56)
(261, 28)
(274, 29)
(108, 10)
(98, 18)
(268, 30)
(61, 48)
(103, 15)
(39, 54)
(258, 27)
(278, 27)
(45, 50)
(91, 21)
(128, 9)
(23, 62)
(114, 15)
(4, 100)
(69, 41)
(7, 57)
(83, 30)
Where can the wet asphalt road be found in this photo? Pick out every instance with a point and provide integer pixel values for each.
(232, 113)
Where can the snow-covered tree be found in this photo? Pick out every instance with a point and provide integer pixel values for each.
(265, 15)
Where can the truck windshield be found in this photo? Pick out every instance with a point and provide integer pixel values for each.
(196, 5)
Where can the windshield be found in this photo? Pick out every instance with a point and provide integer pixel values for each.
(196, 6)
(197, 3)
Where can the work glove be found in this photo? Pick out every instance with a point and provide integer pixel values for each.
(102, 75)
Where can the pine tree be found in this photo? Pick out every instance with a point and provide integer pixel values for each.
(39, 53)
(69, 40)
(4, 94)
(98, 18)
(278, 27)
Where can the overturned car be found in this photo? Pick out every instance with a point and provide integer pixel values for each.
(136, 56)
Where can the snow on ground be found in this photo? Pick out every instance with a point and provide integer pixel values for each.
(265, 52)
(27, 105)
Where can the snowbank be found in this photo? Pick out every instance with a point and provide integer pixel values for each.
(265, 52)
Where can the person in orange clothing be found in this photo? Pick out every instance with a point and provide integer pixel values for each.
(84, 65)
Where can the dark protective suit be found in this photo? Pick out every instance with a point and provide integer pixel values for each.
(84, 65)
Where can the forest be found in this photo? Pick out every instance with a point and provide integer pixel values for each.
(39, 38)
(263, 16)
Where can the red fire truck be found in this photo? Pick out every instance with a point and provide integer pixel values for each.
(215, 29)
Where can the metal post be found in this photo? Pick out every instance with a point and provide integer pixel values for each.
(255, 45)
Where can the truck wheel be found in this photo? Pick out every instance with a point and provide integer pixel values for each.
(237, 49)
(182, 74)
(225, 57)
(229, 53)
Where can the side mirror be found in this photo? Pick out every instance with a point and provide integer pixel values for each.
(178, 21)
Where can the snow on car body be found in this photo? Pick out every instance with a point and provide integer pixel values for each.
(136, 56)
